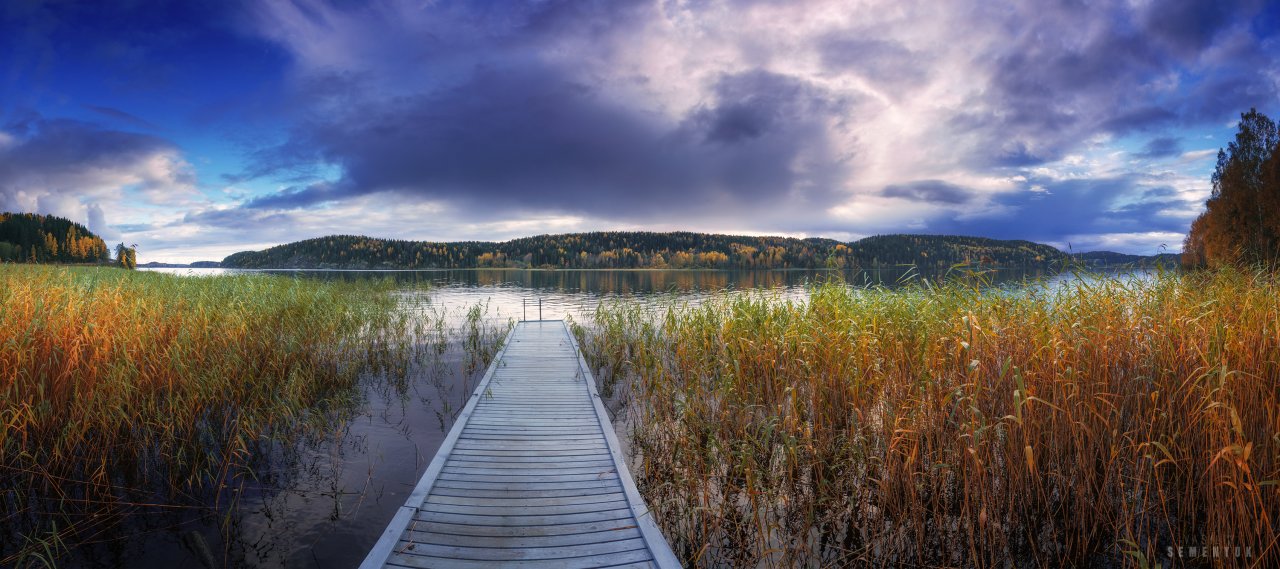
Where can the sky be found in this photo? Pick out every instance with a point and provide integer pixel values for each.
(200, 128)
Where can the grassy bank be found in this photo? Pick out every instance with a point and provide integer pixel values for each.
(1101, 422)
(122, 391)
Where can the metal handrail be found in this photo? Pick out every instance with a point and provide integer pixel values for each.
(524, 308)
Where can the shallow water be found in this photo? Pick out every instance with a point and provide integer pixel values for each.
(524, 294)
(324, 501)
(321, 501)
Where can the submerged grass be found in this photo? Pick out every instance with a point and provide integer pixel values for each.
(1100, 422)
(122, 391)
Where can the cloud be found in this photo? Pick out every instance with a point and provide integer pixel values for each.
(1189, 26)
(1019, 118)
(885, 64)
(121, 117)
(1119, 205)
(1071, 72)
(85, 172)
(1138, 119)
(800, 117)
(1161, 147)
(932, 191)
(97, 223)
(536, 138)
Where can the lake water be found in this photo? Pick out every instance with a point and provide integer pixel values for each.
(325, 501)
(516, 294)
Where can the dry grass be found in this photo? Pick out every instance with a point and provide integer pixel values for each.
(1098, 423)
(119, 386)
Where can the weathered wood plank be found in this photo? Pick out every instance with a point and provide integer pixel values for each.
(530, 462)
(540, 429)
(525, 502)
(639, 555)
(472, 492)
(548, 478)
(533, 541)
(529, 476)
(503, 418)
(527, 455)
(528, 438)
(520, 554)
(485, 446)
(522, 531)
(554, 474)
(522, 511)
(530, 455)
(519, 520)
(528, 485)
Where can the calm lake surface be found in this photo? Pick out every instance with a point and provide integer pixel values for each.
(515, 293)
(324, 501)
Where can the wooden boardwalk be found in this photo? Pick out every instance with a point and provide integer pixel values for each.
(529, 476)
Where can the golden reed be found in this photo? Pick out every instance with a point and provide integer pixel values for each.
(1102, 421)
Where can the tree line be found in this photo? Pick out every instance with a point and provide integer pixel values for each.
(1241, 222)
(34, 238)
(643, 249)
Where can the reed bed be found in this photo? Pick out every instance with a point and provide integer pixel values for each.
(122, 392)
(1097, 423)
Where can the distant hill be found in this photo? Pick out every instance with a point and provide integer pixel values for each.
(34, 238)
(614, 249)
(195, 265)
(942, 251)
(642, 249)
(1113, 259)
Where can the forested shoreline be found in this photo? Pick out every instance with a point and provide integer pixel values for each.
(35, 238)
(653, 250)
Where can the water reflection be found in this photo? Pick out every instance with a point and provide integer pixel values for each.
(316, 492)
(324, 501)
(640, 281)
(527, 295)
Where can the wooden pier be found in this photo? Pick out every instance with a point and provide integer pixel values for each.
(529, 476)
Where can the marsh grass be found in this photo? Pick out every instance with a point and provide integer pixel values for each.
(125, 392)
(1097, 422)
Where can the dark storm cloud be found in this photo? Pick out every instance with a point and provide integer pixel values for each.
(61, 146)
(299, 197)
(929, 191)
(535, 137)
(1044, 95)
(1076, 207)
(1190, 25)
(1139, 119)
(1161, 147)
(1074, 71)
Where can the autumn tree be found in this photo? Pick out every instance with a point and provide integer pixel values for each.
(35, 238)
(1241, 221)
(127, 257)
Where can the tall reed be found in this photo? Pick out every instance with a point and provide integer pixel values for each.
(122, 390)
(1099, 422)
